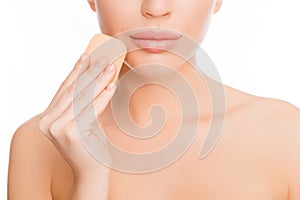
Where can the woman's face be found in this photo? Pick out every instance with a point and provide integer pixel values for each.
(188, 17)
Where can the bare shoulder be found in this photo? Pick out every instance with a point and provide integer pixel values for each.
(277, 123)
(281, 113)
(284, 118)
(278, 117)
(31, 163)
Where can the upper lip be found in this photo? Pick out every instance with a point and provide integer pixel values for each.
(155, 35)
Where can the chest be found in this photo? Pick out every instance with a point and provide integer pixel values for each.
(218, 176)
(239, 167)
(199, 180)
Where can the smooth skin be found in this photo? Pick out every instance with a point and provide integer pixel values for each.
(257, 156)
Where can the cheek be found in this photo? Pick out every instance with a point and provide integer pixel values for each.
(197, 14)
(115, 15)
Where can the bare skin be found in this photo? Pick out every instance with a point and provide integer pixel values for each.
(257, 156)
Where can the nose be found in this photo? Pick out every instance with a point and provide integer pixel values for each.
(155, 9)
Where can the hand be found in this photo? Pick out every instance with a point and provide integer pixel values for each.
(58, 121)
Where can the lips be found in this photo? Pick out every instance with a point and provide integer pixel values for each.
(155, 40)
(155, 35)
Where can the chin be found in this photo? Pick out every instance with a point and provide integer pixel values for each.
(143, 57)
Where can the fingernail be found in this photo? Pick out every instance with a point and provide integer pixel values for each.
(110, 86)
(101, 61)
(83, 57)
(109, 68)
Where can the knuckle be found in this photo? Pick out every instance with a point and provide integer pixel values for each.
(43, 120)
(54, 130)
(77, 64)
(91, 74)
(62, 135)
(69, 136)
(103, 80)
(70, 90)
(69, 127)
(43, 124)
(65, 83)
(86, 95)
(81, 97)
(96, 69)
(83, 61)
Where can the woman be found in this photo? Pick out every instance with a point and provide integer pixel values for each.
(257, 156)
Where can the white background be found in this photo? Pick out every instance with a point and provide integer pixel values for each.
(254, 44)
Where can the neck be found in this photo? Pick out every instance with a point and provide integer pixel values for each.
(171, 92)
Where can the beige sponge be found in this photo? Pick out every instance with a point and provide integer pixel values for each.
(113, 49)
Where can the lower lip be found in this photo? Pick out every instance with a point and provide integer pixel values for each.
(155, 46)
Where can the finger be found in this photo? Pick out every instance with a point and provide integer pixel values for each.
(80, 67)
(94, 89)
(67, 128)
(58, 126)
(94, 109)
(89, 75)
(104, 98)
(67, 108)
(66, 96)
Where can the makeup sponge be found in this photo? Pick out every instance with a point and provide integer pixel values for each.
(113, 49)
